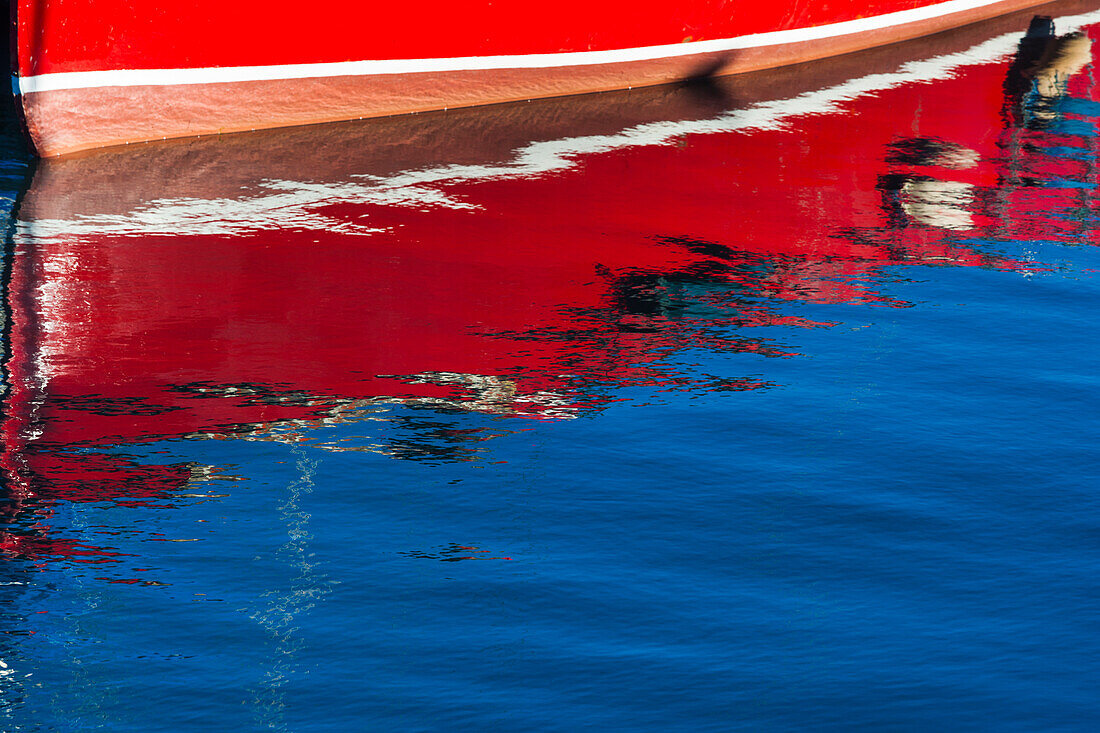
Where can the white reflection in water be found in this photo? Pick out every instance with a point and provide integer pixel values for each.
(943, 204)
(282, 204)
(285, 605)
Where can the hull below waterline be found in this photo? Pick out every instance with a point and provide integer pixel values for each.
(171, 80)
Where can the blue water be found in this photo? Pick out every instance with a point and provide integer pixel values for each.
(898, 528)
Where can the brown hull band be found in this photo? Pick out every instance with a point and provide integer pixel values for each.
(69, 120)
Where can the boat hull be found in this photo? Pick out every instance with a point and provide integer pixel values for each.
(74, 101)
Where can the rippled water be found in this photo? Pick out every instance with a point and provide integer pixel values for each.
(765, 403)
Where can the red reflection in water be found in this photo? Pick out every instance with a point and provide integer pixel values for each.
(517, 261)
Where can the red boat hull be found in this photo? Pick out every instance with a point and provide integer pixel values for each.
(150, 71)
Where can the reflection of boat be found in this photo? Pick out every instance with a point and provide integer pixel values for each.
(115, 71)
(513, 261)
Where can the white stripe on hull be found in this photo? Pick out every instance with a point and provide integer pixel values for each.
(216, 75)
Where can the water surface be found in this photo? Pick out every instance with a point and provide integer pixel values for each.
(763, 403)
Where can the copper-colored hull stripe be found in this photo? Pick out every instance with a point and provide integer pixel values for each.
(68, 120)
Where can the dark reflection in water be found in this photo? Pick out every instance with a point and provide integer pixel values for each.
(439, 288)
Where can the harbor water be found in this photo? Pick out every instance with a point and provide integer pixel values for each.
(760, 403)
